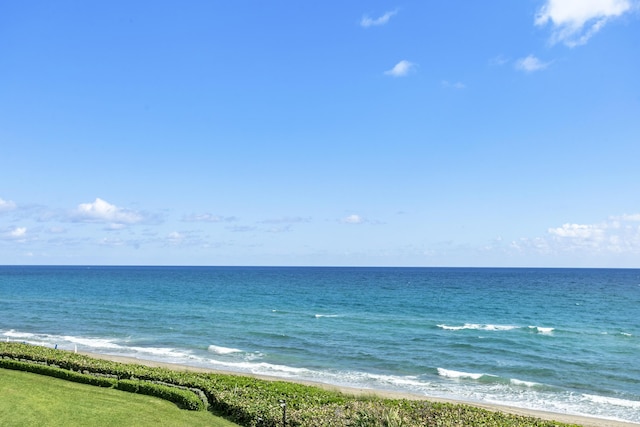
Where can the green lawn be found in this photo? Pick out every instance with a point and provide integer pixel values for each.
(28, 399)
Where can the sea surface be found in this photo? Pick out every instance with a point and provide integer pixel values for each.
(560, 340)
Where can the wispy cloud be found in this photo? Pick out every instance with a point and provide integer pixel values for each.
(241, 228)
(574, 22)
(283, 224)
(111, 242)
(450, 85)
(207, 217)
(286, 220)
(401, 69)
(367, 21)
(627, 217)
(498, 61)
(352, 219)
(531, 64)
(101, 211)
(186, 238)
(6, 205)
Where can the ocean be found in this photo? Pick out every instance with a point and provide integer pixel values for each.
(559, 340)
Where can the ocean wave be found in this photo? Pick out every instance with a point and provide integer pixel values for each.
(262, 368)
(492, 327)
(17, 335)
(479, 327)
(488, 378)
(223, 350)
(91, 342)
(521, 383)
(163, 352)
(318, 316)
(63, 341)
(541, 330)
(448, 373)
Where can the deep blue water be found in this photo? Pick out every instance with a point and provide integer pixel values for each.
(561, 340)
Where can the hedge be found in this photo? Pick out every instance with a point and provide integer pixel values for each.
(255, 402)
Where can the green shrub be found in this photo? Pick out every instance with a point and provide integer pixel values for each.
(254, 402)
(57, 373)
(185, 399)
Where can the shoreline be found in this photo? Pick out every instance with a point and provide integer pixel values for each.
(585, 421)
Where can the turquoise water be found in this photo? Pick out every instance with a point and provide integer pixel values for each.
(561, 340)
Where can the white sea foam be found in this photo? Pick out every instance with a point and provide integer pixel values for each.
(524, 383)
(634, 404)
(93, 343)
(458, 374)
(262, 368)
(397, 382)
(318, 316)
(542, 330)
(18, 335)
(223, 350)
(477, 326)
(161, 352)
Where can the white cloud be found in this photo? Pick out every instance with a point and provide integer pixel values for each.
(574, 22)
(16, 234)
(353, 219)
(103, 212)
(617, 235)
(6, 205)
(531, 64)
(366, 21)
(401, 69)
(175, 237)
(579, 231)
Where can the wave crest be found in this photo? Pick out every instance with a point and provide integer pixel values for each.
(479, 327)
(448, 373)
(223, 350)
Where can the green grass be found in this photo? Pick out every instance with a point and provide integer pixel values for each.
(28, 399)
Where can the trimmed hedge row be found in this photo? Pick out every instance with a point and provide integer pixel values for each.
(52, 371)
(185, 399)
(254, 402)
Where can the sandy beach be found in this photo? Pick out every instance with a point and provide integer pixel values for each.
(565, 418)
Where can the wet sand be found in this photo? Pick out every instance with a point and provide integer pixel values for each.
(565, 418)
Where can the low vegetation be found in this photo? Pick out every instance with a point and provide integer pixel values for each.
(28, 399)
(254, 402)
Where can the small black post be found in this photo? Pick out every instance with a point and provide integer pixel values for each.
(283, 405)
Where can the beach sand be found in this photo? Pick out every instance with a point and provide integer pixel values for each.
(565, 418)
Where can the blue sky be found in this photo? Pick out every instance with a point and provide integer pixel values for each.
(419, 133)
